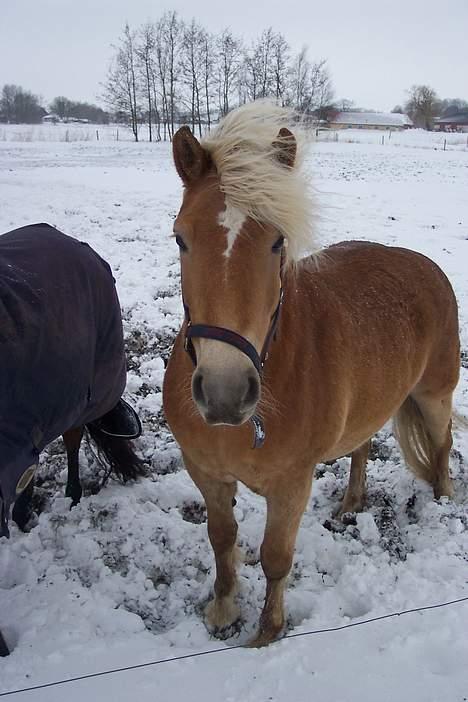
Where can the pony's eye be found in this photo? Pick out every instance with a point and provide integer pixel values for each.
(180, 242)
(278, 245)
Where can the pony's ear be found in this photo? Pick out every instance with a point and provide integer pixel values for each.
(285, 147)
(190, 159)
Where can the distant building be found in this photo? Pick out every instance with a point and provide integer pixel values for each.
(72, 120)
(370, 120)
(455, 123)
(51, 118)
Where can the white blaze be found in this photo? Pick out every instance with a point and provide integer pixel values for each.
(232, 219)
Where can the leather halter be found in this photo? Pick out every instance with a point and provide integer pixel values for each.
(207, 331)
(227, 336)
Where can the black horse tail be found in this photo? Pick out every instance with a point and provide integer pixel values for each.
(118, 453)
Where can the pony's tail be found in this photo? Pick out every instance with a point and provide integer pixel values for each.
(118, 454)
(415, 442)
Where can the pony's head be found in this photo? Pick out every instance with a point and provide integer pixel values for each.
(244, 216)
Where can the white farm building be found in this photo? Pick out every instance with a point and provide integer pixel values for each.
(370, 120)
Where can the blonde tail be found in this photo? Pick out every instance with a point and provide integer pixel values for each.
(415, 441)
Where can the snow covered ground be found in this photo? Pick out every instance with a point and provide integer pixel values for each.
(122, 578)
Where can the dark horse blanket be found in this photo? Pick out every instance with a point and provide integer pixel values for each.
(62, 361)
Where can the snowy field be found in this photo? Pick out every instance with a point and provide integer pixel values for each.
(122, 578)
(72, 132)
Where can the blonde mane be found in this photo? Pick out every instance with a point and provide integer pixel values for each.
(255, 181)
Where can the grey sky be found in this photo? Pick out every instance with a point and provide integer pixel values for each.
(375, 48)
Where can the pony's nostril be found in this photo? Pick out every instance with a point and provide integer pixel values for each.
(253, 391)
(197, 388)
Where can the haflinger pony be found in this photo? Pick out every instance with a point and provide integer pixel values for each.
(63, 365)
(282, 362)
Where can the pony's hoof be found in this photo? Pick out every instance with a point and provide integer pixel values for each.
(75, 493)
(346, 512)
(265, 636)
(221, 613)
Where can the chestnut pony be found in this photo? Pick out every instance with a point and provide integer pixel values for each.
(284, 363)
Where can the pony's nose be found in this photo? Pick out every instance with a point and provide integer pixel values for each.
(225, 398)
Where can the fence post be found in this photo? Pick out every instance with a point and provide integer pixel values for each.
(97, 134)
(117, 135)
(383, 139)
(445, 144)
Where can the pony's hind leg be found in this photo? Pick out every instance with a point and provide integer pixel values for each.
(437, 415)
(72, 440)
(355, 495)
(222, 611)
(424, 431)
(284, 512)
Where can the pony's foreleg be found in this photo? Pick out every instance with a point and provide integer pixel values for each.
(284, 512)
(222, 611)
(355, 495)
(72, 440)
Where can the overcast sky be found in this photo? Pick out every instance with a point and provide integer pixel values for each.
(376, 49)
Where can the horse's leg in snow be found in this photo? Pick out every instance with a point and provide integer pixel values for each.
(222, 531)
(285, 508)
(72, 439)
(355, 495)
(3, 647)
(437, 415)
(22, 509)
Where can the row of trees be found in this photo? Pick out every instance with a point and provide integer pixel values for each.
(67, 109)
(20, 106)
(170, 71)
(424, 106)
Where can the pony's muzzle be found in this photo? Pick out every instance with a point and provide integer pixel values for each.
(228, 397)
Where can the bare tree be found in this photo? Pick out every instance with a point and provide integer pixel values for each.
(61, 106)
(259, 67)
(311, 85)
(121, 87)
(299, 75)
(280, 62)
(145, 53)
(229, 61)
(422, 106)
(169, 34)
(208, 62)
(320, 88)
(162, 60)
(193, 55)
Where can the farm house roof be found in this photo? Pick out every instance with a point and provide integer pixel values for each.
(389, 119)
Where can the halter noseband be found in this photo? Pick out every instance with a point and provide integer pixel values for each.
(207, 331)
(227, 336)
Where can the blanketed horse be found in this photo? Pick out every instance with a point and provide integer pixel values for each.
(303, 359)
(63, 364)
